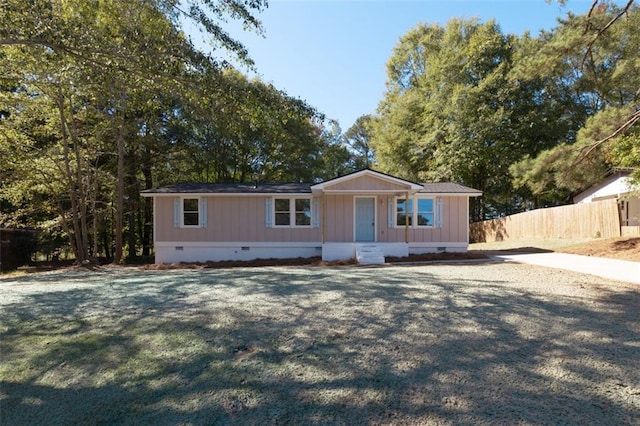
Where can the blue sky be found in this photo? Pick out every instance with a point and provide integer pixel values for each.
(332, 53)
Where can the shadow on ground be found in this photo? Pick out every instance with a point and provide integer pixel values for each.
(347, 345)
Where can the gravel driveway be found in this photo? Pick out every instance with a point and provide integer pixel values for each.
(469, 343)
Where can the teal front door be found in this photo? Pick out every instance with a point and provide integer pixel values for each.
(365, 219)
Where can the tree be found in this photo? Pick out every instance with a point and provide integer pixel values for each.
(249, 131)
(117, 95)
(452, 112)
(358, 141)
(602, 68)
(78, 64)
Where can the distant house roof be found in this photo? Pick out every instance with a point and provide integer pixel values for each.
(302, 188)
(616, 184)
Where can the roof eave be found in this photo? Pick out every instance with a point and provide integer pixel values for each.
(320, 187)
(224, 194)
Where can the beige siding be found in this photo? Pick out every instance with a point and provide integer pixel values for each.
(366, 183)
(229, 219)
(454, 225)
(338, 216)
(242, 219)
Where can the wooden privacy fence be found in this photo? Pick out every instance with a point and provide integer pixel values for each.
(588, 220)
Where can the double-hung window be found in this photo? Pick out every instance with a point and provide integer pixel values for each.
(190, 212)
(292, 211)
(424, 212)
(283, 211)
(303, 211)
(415, 212)
(404, 212)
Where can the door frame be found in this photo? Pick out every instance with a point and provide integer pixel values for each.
(375, 218)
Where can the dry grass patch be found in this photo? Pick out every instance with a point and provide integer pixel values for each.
(615, 248)
(466, 344)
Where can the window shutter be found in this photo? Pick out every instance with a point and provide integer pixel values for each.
(438, 212)
(391, 212)
(315, 212)
(176, 212)
(203, 212)
(268, 208)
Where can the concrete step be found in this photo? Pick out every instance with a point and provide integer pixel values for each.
(369, 255)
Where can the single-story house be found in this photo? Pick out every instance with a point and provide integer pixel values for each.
(342, 218)
(616, 186)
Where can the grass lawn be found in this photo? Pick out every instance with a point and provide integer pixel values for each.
(465, 343)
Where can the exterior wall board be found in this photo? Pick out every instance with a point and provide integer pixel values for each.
(453, 229)
(236, 229)
(242, 219)
(339, 218)
(229, 219)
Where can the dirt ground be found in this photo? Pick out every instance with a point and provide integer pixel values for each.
(618, 248)
(615, 248)
(445, 343)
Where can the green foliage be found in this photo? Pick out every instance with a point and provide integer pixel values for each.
(251, 131)
(358, 141)
(527, 120)
(451, 111)
(602, 70)
(103, 99)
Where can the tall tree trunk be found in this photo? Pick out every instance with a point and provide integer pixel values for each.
(131, 232)
(131, 185)
(148, 214)
(106, 242)
(82, 188)
(94, 226)
(76, 239)
(117, 256)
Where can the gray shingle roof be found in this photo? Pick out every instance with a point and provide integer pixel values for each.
(286, 188)
(232, 188)
(447, 187)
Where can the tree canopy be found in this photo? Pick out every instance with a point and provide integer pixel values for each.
(99, 100)
(522, 118)
(103, 99)
(603, 68)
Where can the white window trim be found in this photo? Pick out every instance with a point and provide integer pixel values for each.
(183, 212)
(179, 211)
(414, 212)
(292, 212)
